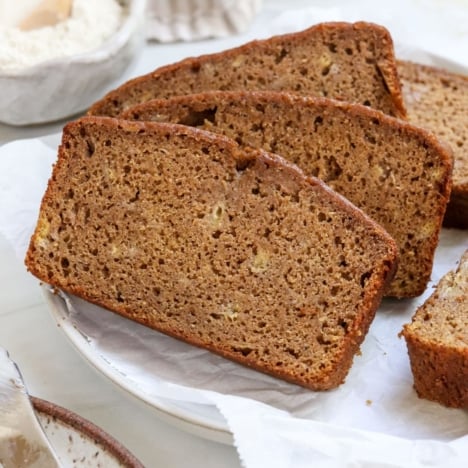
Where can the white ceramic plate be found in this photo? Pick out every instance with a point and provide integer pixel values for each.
(78, 442)
(202, 420)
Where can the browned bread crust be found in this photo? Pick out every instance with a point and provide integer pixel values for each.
(230, 249)
(437, 340)
(350, 62)
(438, 100)
(395, 172)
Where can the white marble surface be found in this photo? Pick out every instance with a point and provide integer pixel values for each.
(53, 370)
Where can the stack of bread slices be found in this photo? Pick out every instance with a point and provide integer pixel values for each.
(259, 202)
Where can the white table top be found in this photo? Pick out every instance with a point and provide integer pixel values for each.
(54, 371)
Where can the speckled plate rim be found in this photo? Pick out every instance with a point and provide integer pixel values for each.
(88, 429)
(185, 418)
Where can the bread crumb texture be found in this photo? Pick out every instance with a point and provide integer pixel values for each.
(398, 174)
(229, 249)
(438, 100)
(350, 62)
(437, 340)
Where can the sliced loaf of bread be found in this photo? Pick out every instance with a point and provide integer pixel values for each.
(230, 249)
(438, 100)
(437, 340)
(351, 62)
(397, 173)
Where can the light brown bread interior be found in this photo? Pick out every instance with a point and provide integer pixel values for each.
(397, 173)
(230, 249)
(437, 340)
(351, 62)
(438, 100)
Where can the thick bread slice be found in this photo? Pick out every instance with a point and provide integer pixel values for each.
(397, 173)
(438, 100)
(351, 62)
(437, 340)
(229, 249)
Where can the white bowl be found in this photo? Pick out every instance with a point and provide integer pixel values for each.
(60, 88)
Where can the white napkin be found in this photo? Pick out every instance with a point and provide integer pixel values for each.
(189, 20)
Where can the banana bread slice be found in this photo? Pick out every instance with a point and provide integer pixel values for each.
(395, 172)
(437, 340)
(230, 249)
(438, 100)
(351, 62)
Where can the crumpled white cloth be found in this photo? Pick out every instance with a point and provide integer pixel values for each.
(189, 20)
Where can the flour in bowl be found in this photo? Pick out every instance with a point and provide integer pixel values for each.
(90, 24)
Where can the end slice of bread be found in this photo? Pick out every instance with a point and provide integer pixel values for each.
(350, 62)
(437, 340)
(230, 249)
(395, 172)
(438, 100)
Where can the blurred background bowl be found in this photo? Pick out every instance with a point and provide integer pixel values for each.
(67, 86)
